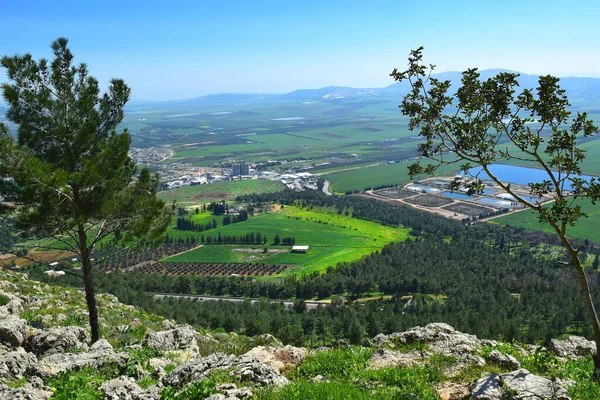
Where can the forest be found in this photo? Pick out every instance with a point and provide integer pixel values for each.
(486, 279)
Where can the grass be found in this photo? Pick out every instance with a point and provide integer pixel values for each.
(332, 238)
(191, 195)
(390, 174)
(586, 228)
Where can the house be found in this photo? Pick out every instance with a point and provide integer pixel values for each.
(299, 249)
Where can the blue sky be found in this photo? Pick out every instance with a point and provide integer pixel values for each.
(181, 49)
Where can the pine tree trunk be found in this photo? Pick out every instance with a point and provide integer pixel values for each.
(90, 297)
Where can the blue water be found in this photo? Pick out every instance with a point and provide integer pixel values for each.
(422, 188)
(455, 195)
(517, 174)
(497, 202)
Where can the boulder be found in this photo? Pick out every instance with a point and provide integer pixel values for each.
(17, 364)
(517, 385)
(173, 339)
(278, 358)
(383, 358)
(437, 338)
(124, 388)
(58, 340)
(244, 368)
(13, 331)
(231, 391)
(503, 360)
(453, 391)
(32, 390)
(267, 339)
(574, 347)
(64, 362)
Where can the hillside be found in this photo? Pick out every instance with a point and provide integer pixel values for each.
(46, 354)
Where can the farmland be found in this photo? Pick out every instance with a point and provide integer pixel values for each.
(586, 228)
(332, 239)
(191, 195)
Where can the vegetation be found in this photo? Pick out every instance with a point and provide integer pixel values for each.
(483, 116)
(219, 191)
(70, 174)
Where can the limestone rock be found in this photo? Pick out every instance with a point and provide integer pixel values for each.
(440, 338)
(267, 339)
(58, 340)
(231, 391)
(574, 347)
(13, 331)
(504, 360)
(383, 358)
(64, 362)
(16, 364)
(174, 339)
(32, 390)
(245, 368)
(453, 391)
(123, 388)
(278, 358)
(518, 385)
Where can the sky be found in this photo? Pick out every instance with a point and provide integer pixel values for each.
(168, 50)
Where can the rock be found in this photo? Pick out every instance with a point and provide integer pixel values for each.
(64, 362)
(123, 388)
(174, 339)
(15, 304)
(518, 385)
(506, 361)
(168, 324)
(17, 364)
(218, 396)
(233, 392)
(453, 391)
(574, 347)
(101, 345)
(13, 331)
(58, 340)
(320, 379)
(245, 368)
(32, 390)
(439, 338)
(278, 358)
(384, 358)
(267, 339)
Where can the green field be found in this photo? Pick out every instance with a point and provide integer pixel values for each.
(390, 174)
(332, 239)
(586, 228)
(191, 195)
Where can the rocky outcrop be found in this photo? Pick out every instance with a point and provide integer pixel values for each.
(517, 385)
(279, 358)
(436, 338)
(124, 388)
(173, 339)
(64, 362)
(32, 390)
(13, 331)
(17, 364)
(244, 368)
(574, 347)
(503, 360)
(384, 358)
(58, 340)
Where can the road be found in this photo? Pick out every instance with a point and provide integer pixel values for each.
(309, 304)
(326, 189)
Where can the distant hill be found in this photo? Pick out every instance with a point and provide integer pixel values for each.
(577, 89)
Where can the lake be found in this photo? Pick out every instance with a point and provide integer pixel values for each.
(517, 174)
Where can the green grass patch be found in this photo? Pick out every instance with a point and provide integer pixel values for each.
(586, 228)
(332, 238)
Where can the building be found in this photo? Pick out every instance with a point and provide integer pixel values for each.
(299, 249)
(240, 168)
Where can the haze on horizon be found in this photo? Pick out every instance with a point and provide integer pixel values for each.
(166, 51)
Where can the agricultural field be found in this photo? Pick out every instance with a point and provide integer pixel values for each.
(213, 269)
(332, 239)
(192, 195)
(389, 174)
(586, 228)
